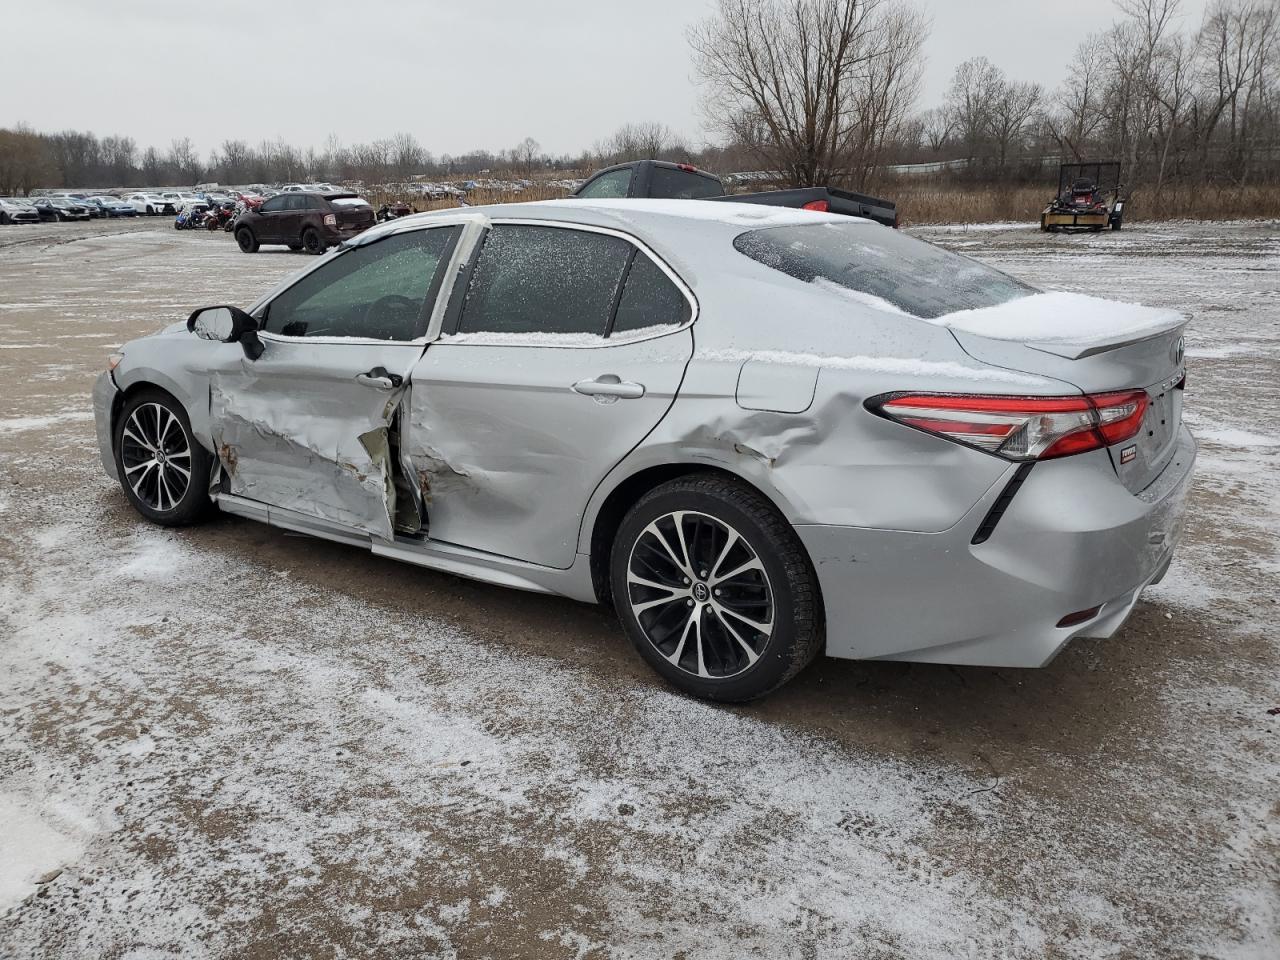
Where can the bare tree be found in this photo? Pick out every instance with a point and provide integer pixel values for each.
(406, 155)
(936, 129)
(1012, 108)
(641, 141)
(1076, 105)
(975, 87)
(800, 82)
(525, 155)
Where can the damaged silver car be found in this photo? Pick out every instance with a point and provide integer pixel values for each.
(759, 434)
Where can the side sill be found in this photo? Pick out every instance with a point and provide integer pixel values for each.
(574, 583)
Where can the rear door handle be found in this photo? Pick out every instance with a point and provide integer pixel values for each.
(379, 379)
(610, 385)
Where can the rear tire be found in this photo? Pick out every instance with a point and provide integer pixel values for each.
(715, 590)
(312, 242)
(163, 470)
(247, 241)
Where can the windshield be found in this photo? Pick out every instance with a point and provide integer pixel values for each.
(882, 267)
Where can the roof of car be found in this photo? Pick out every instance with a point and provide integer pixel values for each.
(620, 213)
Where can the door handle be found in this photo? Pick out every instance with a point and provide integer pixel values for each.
(379, 379)
(610, 385)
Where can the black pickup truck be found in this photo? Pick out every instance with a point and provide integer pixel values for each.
(681, 181)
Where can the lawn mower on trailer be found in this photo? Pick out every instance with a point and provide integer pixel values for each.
(1088, 198)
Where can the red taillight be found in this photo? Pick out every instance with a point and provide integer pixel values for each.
(1021, 428)
(818, 206)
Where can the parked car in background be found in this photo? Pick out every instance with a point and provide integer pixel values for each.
(758, 434)
(61, 208)
(79, 199)
(180, 198)
(113, 206)
(13, 210)
(313, 222)
(150, 204)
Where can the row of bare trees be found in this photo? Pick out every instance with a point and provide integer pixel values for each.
(1170, 100)
(826, 91)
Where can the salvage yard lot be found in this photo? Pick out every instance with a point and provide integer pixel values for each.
(234, 741)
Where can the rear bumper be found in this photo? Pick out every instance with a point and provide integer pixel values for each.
(1073, 538)
(105, 392)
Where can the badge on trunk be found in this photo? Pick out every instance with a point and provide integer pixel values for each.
(1129, 454)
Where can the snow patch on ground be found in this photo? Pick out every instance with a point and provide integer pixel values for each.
(36, 839)
(18, 424)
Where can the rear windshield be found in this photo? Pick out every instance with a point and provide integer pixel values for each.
(878, 262)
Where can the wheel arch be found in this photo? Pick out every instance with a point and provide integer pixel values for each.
(601, 526)
(145, 378)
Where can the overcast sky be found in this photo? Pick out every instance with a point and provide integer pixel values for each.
(458, 75)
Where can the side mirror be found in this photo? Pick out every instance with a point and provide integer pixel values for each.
(227, 325)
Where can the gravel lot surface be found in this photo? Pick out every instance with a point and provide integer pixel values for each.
(231, 741)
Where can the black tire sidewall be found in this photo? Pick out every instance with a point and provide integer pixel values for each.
(732, 507)
(315, 248)
(251, 246)
(195, 503)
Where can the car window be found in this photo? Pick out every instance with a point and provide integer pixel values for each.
(649, 299)
(296, 201)
(613, 184)
(536, 280)
(274, 204)
(378, 291)
(878, 262)
(682, 185)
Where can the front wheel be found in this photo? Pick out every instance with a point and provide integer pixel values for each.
(312, 242)
(715, 590)
(247, 241)
(163, 470)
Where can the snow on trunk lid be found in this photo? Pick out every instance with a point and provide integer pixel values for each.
(1096, 345)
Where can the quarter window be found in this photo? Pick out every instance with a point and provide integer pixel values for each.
(649, 299)
(380, 291)
(534, 280)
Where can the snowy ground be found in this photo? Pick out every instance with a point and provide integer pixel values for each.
(232, 741)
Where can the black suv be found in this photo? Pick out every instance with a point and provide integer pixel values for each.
(313, 222)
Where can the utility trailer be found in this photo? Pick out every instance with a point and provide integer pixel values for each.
(1089, 198)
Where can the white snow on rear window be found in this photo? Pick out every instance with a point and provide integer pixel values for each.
(349, 202)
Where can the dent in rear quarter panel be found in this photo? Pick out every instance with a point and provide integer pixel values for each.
(833, 463)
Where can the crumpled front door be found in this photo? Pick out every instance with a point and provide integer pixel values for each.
(306, 427)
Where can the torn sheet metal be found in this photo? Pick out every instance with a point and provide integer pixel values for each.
(284, 449)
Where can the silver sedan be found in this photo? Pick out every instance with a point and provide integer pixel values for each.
(758, 434)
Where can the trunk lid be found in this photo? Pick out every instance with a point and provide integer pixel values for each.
(1098, 346)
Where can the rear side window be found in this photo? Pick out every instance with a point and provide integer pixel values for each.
(911, 275)
(533, 280)
(682, 185)
(616, 183)
(649, 299)
(296, 201)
